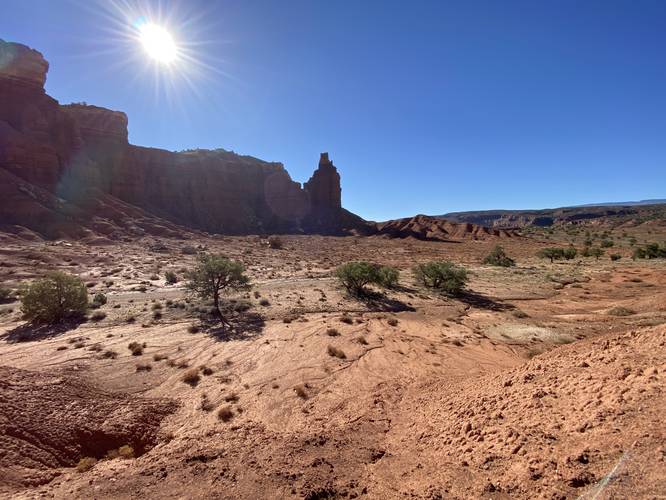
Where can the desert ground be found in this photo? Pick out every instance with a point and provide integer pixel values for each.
(543, 380)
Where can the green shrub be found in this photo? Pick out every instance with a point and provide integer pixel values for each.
(355, 276)
(98, 300)
(552, 253)
(55, 297)
(442, 275)
(6, 295)
(171, 278)
(606, 244)
(216, 274)
(387, 276)
(650, 251)
(569, 253)
(498, 257)
(596, 252)
(275, 242)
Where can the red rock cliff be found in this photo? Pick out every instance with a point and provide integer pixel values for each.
(77, 150)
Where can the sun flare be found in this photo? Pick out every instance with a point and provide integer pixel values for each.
(158, 43)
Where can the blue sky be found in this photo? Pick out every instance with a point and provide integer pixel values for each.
(424, 106)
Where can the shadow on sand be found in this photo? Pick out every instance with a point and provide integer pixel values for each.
(376, 301)
(479, 301)
(31, 332)
(243, 326)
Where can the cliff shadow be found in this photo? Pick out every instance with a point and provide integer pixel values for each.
(243, 326)
(32, 332)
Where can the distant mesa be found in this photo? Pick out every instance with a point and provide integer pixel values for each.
(68, 171)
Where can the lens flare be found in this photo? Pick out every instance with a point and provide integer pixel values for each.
(158, 43)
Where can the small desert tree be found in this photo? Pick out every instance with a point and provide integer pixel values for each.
(596, 252)
(498, 257)
(387, 276)
(551, 253)
(214, 275)
(442, 275)
(355, 276)
(569, 253)
(55, 297)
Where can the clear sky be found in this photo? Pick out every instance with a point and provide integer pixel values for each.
(424, 106)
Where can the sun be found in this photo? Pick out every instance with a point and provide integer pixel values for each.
(158, 43)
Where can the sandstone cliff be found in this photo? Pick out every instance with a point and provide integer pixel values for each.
(69, 171)
(77, 151)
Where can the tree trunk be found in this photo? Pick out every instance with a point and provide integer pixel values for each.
(216, 301)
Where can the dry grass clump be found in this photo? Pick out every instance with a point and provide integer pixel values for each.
(136, 348)
(109, 354)
(335, 352)
(621, 311)
(97, 316)
(347, 319)
(332, 332)
(125, 452)
(206, 404)
(85, 464)
(225, 413)
(191, 377)
(301, 391)
(231, 398)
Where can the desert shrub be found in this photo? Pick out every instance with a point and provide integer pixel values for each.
(144, 367)
(650, 251)
(193, 329)
(170, 277)
(335, 352)
(345, 318)
(552, 253)
(6, 295)
(55, 297)
(98, 316)
(387, 276)
(498, 257)
(85, 464)
(301, 391)
(606, 244)
(392, 322)
(355, 276)
(621, 311)
(99, 300)
(264, 302)
(135, 348)
(569, 252)
(332, 332)
(188, 250)
(214, 275)
(225, 413)
(275, 242)
(442, 275)
(596, 252)
(191, 377)
(615, 256)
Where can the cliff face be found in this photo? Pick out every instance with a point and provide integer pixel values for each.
(78, 151)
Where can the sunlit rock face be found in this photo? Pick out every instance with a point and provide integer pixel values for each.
(78, 152)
